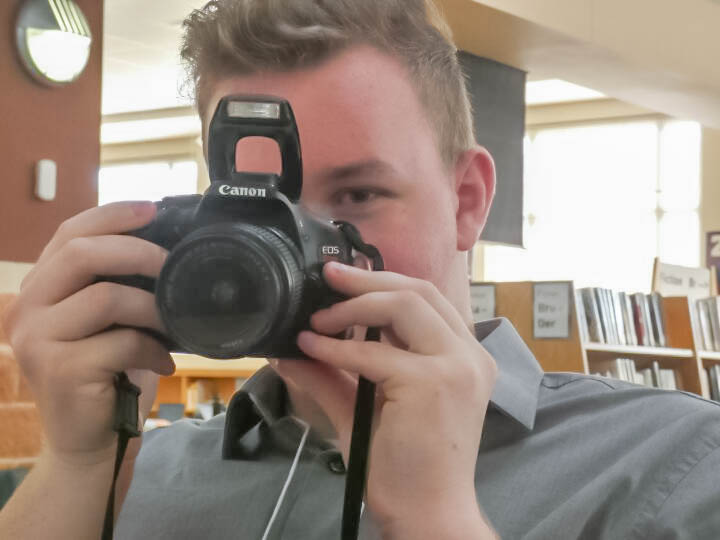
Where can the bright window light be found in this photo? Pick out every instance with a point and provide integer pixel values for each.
(557, 91)
(602, 201)
(146, 181)
(152, 128)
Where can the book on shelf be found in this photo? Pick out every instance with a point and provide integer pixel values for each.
(610, 319)
(713, 378)
(644, 307)
(657, 319)
(655, 376)
(583, 329)
(589, 314)
(705, 330)
(604, 330)
(636, 305)
(619, 318)
(628, 321)
(708, 314)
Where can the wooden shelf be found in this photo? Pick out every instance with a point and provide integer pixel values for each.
(514, 300)
(188, 364)
(636, 350)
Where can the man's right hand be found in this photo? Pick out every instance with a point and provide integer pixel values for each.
(71, 334)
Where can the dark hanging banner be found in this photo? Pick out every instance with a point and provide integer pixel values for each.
(497, 93)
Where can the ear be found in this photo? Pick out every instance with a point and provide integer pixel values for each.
(475, 189)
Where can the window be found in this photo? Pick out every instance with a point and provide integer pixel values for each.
(146, 181)
(602, 200)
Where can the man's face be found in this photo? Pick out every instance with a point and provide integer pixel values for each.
(369, 157)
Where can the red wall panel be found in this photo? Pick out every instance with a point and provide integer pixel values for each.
(36, 122)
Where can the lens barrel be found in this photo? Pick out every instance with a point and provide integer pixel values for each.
(226, 288)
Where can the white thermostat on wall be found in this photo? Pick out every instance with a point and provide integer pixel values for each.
(45, 179)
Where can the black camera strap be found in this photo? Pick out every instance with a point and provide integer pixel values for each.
(126, 425)
(364, 411)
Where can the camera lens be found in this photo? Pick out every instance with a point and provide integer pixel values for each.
(226, 288)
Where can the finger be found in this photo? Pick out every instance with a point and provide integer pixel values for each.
(375, 361)
(118, 350)
(409, 315)
(99, 306)
(353, 281)
(111, 218)
(329, 387)
(81, 260)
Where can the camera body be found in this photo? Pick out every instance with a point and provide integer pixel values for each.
(244, 269)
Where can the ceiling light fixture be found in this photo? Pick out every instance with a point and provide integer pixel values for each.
(53, 39)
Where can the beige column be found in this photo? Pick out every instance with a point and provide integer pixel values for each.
(710, 186)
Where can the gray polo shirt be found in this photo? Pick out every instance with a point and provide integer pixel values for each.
(563, 456)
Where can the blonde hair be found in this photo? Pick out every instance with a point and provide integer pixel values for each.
(241, 37)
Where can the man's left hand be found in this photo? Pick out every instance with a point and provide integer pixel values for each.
(434, 384)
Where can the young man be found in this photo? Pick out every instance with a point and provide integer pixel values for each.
(387, 144)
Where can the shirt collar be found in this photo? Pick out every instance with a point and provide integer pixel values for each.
(519, 375)
(264, 397)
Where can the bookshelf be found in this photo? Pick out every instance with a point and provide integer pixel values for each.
(514, 300)
(638, 350)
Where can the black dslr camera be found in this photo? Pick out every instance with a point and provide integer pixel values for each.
(243, 275)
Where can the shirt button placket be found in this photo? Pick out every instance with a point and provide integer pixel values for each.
(335, 464)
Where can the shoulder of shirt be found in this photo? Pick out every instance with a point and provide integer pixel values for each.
(566, 385)
(184, 432)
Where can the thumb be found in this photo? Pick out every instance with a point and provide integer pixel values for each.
(331, 389)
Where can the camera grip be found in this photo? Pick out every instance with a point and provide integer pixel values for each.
(140, 282)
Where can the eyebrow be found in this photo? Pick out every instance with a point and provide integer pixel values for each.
(369, 167)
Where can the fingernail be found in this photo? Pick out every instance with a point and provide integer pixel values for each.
(305, 338)
(338, 267)
(143, 208)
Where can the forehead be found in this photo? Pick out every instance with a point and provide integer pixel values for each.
(359, 104)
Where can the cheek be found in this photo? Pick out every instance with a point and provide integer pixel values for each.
(419, 245)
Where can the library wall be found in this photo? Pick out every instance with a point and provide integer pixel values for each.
(710, 199)
(62, 124)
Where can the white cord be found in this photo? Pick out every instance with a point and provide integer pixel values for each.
(278, 504)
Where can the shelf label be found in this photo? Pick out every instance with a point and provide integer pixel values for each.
(482, 301)
(551, 310)
(674, 280)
